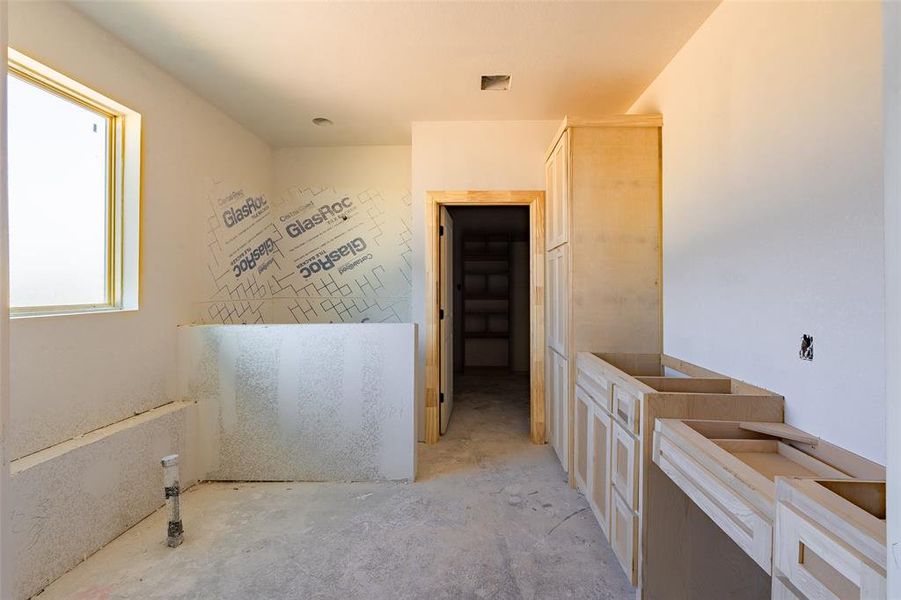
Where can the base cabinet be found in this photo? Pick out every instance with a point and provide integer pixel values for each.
(829, 540)
(606, 466)
(602, 253)
(614, 413)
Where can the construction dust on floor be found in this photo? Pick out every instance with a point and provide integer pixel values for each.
(490, 516)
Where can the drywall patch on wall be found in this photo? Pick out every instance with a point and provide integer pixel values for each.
(66, 508)
(314, 255)
(302, 402)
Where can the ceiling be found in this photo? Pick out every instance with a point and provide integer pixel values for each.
(373, 67)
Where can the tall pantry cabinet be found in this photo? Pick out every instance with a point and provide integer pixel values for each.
(603, 245)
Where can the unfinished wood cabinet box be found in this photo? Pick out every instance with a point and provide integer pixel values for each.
(618, 398)
(830, 539)
(603, 203)
(729, 469)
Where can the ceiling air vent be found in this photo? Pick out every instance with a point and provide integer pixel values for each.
(495, 83)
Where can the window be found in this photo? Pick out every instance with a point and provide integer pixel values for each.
(74, 186)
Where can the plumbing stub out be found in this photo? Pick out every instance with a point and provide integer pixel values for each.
(175, 533)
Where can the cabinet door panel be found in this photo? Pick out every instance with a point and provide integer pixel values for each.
(557, 199)
(599, 468)
(550, 170)
(557, 299)
(550, 386)
(624, 465)
(582, 440)
(551, 303)
(623, 535)
(559, 408)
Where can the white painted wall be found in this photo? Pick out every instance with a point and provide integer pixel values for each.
(891, 66)
(467, 155)
(73, 374)
(342, 167)
(773, 211)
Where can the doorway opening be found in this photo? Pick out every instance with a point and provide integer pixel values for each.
(485, 315)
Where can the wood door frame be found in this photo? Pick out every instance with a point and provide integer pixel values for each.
(433, 203)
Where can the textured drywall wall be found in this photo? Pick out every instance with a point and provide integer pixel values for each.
(68, 505)
(301, 402)
(773, 209)
(467, 155)
(73, 374)
(331, 245)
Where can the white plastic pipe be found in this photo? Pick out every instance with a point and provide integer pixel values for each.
(176, 532)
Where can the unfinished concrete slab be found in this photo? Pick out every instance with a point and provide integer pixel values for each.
(490, 516)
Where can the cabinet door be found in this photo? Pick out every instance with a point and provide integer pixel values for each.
(557, 200)
(599, 468)
(624, 465)
(557, 298)
(550, 301)
(550, 199)
(582, 440)
(624, 535)
(558, 405)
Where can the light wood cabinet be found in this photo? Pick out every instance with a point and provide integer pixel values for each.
(777, 493)
(830, 539)
(621, 395)
(603, 247)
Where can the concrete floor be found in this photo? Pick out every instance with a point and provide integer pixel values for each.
(490, 516)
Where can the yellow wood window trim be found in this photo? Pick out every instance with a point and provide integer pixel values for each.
(123, 174)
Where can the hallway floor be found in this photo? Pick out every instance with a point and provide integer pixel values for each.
(490, 516)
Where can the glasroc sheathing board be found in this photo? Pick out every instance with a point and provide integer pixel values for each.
(310, 255)
(301, 402)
